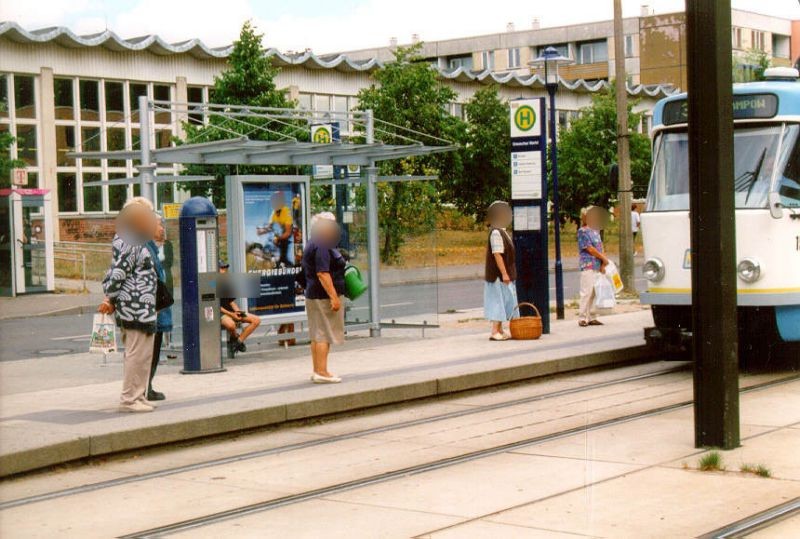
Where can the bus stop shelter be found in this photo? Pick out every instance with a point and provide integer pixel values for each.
(286, 131)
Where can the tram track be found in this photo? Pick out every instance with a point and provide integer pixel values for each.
(331, 439)
(275, 503)
(759, 521)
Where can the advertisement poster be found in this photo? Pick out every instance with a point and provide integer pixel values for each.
(273, 244)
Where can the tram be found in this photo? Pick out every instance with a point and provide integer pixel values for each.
(767, 191)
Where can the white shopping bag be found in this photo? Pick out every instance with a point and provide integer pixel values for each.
(104, 334)
(613, 274)
(604, 292)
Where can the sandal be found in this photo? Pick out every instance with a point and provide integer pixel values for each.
(498, 337)
(596, 323)
(583, 323)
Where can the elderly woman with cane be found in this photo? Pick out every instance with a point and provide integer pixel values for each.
(323, 267)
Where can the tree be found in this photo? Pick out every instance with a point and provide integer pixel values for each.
(407, 94)
(586, 150)
(751, 66)
(485, 155)
(6, 163)
(248, 80)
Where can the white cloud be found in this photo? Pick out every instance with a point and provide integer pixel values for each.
(39, 13)
(216, 23)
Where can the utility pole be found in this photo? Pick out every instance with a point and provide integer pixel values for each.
(713, 224)
(623, 155)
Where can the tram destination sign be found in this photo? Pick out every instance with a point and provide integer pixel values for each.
(745, 107)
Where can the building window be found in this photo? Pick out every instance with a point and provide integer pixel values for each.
(460, 61)
(165, 193)
(458, 110)
(135, 90)
(304, 101)
(593, 52)
(24, 97)
(90, 142)
(758, 40)
(92, 196)
(163, 138)
(64, 99)
(115, 102)
(563, 121)
(65, 142)
(487, 60)
(67, 192)
(89, 100)
(26, 144)
(162, 93)
(629, 46)
(115, 140)
(117, 194)
(195, 96)
(736, 36)
(513, 58)
(781, 46)
(3, 96)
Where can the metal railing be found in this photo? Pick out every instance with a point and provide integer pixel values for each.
(81, 260)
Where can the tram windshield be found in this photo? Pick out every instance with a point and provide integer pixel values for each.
(756, 162)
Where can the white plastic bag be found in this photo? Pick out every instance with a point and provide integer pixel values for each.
(613, 274)
(604, 292)
(104, 334)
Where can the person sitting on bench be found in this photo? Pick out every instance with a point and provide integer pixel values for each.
(232, 317)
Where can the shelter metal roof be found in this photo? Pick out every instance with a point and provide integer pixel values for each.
(243, 151)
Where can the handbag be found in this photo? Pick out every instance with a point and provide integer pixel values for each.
(604, 293)
(104, 334)
(163, 298)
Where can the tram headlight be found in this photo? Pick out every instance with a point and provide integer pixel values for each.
(653, 269)
(749, 270)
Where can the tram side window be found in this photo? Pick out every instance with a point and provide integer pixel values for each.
(669, 185)
(789, 181)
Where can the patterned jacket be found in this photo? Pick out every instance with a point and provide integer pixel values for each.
(130, 284)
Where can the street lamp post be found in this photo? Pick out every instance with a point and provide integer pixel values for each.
(550, 60)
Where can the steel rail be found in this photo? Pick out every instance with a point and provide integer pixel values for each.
(331, 439)
(756, 522)
(292, 499)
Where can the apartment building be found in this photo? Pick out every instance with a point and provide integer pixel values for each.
(654, 46)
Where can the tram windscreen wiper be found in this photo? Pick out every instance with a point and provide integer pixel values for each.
(747, 179)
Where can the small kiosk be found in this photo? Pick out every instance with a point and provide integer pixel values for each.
(26, 242)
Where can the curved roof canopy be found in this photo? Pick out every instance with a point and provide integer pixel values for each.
(308, 60)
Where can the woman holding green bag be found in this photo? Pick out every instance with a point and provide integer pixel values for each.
(324, 269)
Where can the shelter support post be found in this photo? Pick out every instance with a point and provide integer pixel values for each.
(373, 246)
(146, 168)
(713, 224)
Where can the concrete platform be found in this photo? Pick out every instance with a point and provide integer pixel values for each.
(56, 410)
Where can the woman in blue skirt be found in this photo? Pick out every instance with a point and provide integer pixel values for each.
(499, 290)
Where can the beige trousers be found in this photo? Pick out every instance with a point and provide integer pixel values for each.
(586, 312)
(136, 365)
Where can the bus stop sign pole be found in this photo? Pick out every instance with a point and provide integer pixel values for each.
(713, 224)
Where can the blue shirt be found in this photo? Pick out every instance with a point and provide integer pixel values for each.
(164, 316)
(317, 259)
(589, 237)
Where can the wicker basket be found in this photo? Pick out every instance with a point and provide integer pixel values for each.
(526, 328)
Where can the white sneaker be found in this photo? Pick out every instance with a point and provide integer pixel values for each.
(136, 407)
(319, 379)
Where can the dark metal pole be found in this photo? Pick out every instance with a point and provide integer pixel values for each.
(551, 89)
(713, 224)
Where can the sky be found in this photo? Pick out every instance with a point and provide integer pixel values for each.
(329, 26)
